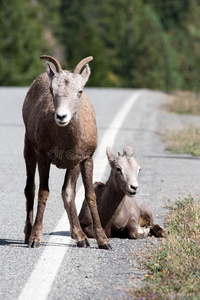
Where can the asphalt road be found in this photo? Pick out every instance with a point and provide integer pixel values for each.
(58, 269)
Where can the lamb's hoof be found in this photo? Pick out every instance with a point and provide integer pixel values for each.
(33, 244)
(83, 243)
(159, 231)
(105, 246)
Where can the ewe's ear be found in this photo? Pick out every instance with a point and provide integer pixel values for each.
(111, 156)
(127, 151)
(86, 73)
(50, 71)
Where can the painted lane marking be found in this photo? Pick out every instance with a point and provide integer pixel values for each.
(42, 277)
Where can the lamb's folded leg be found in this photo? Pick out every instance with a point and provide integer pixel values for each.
(135, 231)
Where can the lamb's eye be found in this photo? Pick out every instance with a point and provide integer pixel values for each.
(118, 170)
(80, 93)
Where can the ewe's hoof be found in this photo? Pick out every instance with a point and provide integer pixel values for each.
(105, 246)
(26, 240)
(83, 243)
(33, 244)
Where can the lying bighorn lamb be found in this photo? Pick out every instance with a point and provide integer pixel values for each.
(121, 212)
(60, 129)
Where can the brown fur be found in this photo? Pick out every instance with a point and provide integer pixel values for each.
(68, 146)
(121, 214)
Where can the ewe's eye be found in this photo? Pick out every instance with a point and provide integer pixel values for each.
(80, 93)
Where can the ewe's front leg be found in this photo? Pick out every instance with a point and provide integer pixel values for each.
(68, 195)
(87, 176)
(36, 233)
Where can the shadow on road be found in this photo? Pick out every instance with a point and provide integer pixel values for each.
(61, 233)
(20, 243)
(8, 242)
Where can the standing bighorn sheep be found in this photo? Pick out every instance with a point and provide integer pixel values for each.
(121, 212)
(60, 129)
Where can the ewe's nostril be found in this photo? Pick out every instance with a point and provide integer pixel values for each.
(62, 117)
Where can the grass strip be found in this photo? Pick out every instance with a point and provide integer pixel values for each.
(183, 141)
(181, 102)
(174, 266)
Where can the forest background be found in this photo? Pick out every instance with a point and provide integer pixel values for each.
(135, 43)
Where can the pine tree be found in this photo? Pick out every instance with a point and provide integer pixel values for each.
(21, 44)
(80, 36)
(139, 51)
(171, 13)
(154, 61)
(181, 21)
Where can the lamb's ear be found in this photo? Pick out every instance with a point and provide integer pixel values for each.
(50, 71)
(127, 151)
(111, 156)
(86, 73)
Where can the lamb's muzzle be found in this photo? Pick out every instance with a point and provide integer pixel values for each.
(132, 189)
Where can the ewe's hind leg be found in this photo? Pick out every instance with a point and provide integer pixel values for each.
(36, 233)
(87, 176)
(135, 231)
(68, 195)
(29, 191)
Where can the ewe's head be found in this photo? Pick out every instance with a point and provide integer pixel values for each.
(66, 88)
(124, 170)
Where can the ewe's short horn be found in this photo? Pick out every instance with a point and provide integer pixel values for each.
(84, 61)
(54, 61)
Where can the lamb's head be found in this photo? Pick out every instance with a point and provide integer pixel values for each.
(124, 170)
(66, 88)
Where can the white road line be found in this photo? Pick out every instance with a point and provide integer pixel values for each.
(40, 281)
